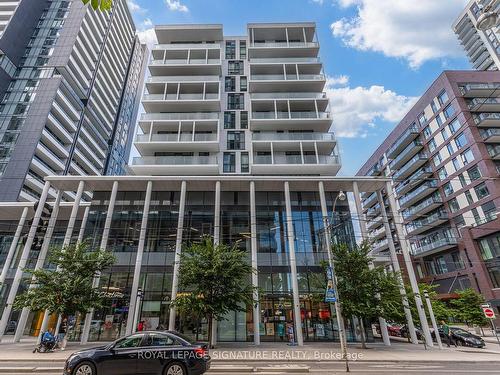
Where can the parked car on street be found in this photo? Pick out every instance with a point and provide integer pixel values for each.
(404, 332)
(148, 352)
(461, 337)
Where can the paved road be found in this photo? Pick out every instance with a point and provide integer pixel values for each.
(372, 368)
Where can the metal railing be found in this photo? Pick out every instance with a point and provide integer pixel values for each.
(417, 224)
(422, 188)
(289, 115)
(273, 44)
(432, 245)
(410, 164)
(402, 138)
(414, 144)
(180, 116)
(268, 136)
(409, 212)
(175, 160)
(289, 95)
(288, 77)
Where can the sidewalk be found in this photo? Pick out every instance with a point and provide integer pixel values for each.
(280, 352)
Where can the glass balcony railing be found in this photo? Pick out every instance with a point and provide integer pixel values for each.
(187, 46)
(377, 232)
(487, 133)
(478, 119)
(409, 133)
(410, 165)
(163, 79)
(289, 60)
(375, 170)
(415, 177)
(185, 62)
(289, 115)
(180, 116)
(426, 223)
(288, 95)
(380, 245)
(296, 159)
(282, 44)
(493, 151)
(199, 96)
(482, 101)
(428, 202)
(268, 136)
(203, 137)
(175, 160)
(426, 186)
(432, 245)
(464, 89)
(407, 151)
(288, 77)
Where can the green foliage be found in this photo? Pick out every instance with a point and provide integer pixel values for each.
(467, 307)
(215, 280)
(103, 5)
(68, 289)
(442, 311)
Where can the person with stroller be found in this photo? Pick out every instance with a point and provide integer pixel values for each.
(48, 342)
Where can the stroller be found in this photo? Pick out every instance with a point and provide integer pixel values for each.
(47, 344)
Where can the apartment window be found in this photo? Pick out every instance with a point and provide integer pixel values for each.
(230, 84)
(243, 49)
(439, 120)
(229, 162)
(468, 196)
(461, 178)
(245, 164)
(449, 111)
(459, 221)
(436, 159)
(230, 49)
(432, 145)
(443, 97)
(454, 125)
(453, 205)
(481, 190)
(243, 120)
(475, 214)
(490, 210)
(467, 156)
(235, 67)
(474, 173)
(445, 135)
(243, 83)
(235, 101)
(448, 189)
(427, 132)
(456, 164)
(229, 120)
(461, 140)
(442, 174)
(457, 260)
(422, 119)
(434, 107)
(235, 140)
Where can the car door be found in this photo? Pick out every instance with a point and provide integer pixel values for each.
(158, 349)
(122, 357)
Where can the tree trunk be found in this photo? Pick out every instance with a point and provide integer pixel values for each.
(210, 322)
(363, 338)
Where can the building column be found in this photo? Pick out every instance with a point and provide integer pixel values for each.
(293, 266)
(13, 246)
(84, 224)
(328, 242)
(24, 259)
(104, 243)
(216, 242)
(138, 262)
(397, 269)
(409, 266)
(364, 237)
(21, 324)
(177, 259)
(255, 277)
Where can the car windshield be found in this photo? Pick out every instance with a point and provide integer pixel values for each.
(460, 332)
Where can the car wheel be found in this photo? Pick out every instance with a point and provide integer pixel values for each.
(84, 368)
(175, 369)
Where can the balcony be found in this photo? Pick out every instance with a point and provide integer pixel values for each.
(491, 135)
(281, 48)
(484, 90)
(315, 121)
(376, 170)
(379, 246)
(433, 246)
(484, 104)
(406, 154)
(186, 46)
(148, 144)
(422, 225)
(267, 83)
(370, 201)
(488, 120)
(189, 116)
(377, 234)
(375, 223)
(181, 102)
(209, 66)
(175, 165)
(285, 60)
(427, 205)
(374, 211)
(494, 151)
(287, 164)
(194, 78)
(414, 180)
(420, 192)
(408, 135)
(411, 166)
(287, 95)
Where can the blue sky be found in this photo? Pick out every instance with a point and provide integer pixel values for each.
(380, 55)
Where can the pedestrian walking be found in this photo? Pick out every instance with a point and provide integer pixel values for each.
(447, 333)
(140, 326)
(61, 336)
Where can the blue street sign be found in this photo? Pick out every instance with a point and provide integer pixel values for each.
(330, 295)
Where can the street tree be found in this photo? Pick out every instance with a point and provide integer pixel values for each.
(214, 280)
(365, 292)
(65, 288)
(100, 4)
(467, 307)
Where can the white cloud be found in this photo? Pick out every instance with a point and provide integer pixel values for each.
(357, 109)
(135, 8)
(416, 31)
(176, 5)
(147, 36)
(320, 2)
(147, 22)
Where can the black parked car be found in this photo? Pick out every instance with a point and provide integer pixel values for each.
(461, 337)
(404, 332)
(145, 353)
